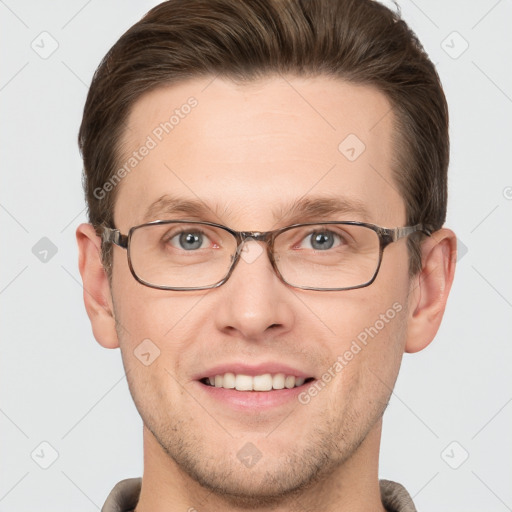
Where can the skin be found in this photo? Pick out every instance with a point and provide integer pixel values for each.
(243, 150)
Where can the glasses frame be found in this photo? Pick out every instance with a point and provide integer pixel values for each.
(386, 237)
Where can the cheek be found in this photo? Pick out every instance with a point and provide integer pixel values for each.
(367, 361)
(150, 387)
(143, 312)
(370, 317)
(167, 321)
(155, 329)
(367, 337)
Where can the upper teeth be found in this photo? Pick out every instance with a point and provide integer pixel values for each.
(264, 382)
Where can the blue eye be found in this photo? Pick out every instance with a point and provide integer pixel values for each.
(188, 240)
(321, 240)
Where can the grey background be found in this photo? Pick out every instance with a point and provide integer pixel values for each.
(58, 386)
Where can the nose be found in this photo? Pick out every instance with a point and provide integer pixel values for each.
(254, 303)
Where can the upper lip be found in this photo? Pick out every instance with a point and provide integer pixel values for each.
(272, 367)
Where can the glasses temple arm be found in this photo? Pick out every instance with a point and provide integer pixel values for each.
(409, 230)
(114, 236)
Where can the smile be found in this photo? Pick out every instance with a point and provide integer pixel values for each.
(264, 382)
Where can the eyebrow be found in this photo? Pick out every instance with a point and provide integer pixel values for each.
(301, 209)
(321, 207)
(168, 205)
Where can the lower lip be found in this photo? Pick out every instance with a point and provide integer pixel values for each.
(254, 400)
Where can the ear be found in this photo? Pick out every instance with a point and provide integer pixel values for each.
(430, 288)
(97, 295)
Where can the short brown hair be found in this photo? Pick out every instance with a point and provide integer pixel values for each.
(359, 41)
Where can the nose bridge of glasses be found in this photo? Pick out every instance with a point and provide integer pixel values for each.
(258, 236)
(250, 252)
(253, 236)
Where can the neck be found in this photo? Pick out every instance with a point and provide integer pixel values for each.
(351, 486)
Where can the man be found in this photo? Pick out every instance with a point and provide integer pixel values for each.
(260, 356)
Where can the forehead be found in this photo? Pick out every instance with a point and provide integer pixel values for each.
(248, 151)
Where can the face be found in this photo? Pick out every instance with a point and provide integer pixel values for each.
(245, 152)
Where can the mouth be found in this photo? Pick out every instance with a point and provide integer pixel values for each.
(261, 383)
(261, 387)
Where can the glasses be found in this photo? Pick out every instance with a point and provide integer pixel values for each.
(197, 255)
